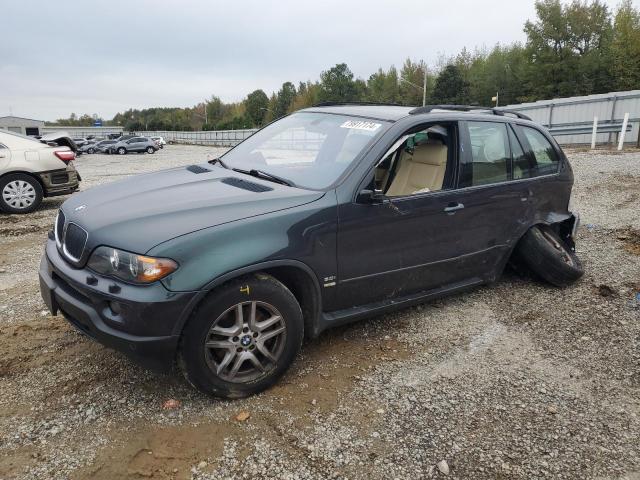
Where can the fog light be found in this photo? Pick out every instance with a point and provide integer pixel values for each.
(115, 307)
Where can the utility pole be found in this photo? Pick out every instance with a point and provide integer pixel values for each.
(424, 87)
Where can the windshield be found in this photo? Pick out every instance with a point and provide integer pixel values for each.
(311, 150)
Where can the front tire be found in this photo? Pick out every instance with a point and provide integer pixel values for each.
(122, 151)
(544, 252)
(242, 338)
(20, 193)
(91, 150)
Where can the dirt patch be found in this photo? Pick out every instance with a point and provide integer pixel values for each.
(630, 238)
(158, 453)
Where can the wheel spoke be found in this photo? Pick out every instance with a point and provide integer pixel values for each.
(269, 322)
(220, 344)
(237, 364)
(262, 348)
(228, 357)
(239, 316)
(271, 334)
(253, 359)
(252, 317)
(226, 331)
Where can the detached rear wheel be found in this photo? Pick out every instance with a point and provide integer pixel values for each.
(19, 193)
(243, 338)
(548, 256)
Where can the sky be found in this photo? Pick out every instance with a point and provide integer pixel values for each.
(65, 56)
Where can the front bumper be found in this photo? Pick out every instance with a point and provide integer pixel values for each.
(143, 326)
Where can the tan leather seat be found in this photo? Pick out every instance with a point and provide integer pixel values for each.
(422, 171)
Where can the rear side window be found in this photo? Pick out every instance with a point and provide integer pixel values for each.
(542, 151)
(490, 154)
(523, 165)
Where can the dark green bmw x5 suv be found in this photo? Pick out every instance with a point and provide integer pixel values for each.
(328, 215)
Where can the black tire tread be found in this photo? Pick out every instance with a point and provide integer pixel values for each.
(542, 258)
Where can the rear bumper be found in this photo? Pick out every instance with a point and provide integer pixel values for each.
(143, 328)
(60, 182)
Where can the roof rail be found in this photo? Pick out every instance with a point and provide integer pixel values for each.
(457, 108)
(330, 104)
(468, 108)
(502, 111)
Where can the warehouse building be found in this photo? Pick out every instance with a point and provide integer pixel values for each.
(25, 126)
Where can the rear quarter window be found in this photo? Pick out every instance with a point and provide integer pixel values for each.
(541, 150)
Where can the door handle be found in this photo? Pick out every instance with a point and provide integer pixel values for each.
(454, 208)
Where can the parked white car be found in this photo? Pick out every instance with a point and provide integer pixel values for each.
(159, 141)
(31, 170)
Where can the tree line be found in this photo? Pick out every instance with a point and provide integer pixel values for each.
(576, 48)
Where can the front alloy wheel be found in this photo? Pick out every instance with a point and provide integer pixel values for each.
(243, 337)
(246, 341)
(122, 151)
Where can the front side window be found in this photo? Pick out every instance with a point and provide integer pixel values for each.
(543, 152)
(416, 163)
(490, 154)
(310, 149)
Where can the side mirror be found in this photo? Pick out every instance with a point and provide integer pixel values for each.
(371, 196)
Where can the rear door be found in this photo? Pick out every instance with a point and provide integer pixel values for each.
(496, 208)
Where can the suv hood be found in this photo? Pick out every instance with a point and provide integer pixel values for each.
(142, 211)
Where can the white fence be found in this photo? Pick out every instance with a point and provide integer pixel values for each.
(562, 113)
(77, 132)
(221, 138)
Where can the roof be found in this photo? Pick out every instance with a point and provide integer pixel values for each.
(22, 118)
(396, 112)
(379, 112)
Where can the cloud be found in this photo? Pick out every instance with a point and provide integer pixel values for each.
(92, 57)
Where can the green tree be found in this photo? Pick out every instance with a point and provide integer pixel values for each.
(284, 99)
(256, 104)
(625, 47)
(568, 48)
(307, 96)
(337, 85)
(383, 86)
(450, 87)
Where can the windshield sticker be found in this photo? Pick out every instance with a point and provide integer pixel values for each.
(359, 125)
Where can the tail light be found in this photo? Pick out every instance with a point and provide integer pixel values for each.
(65, 155)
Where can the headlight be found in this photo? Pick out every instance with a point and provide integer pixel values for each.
(130, 267)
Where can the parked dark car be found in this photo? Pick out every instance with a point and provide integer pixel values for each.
(328, 215)
(134, 145)
(97, 147)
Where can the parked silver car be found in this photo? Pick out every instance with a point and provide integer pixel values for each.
(135, 144)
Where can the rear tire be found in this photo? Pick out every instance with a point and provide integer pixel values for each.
(269, 329)
(150, 150)
(91, 150)
(20, 193)
(544, 252)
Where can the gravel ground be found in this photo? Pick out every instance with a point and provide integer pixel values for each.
(513, 380)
